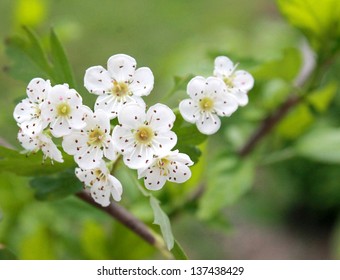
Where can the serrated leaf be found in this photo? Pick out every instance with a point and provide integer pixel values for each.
(286, 67)
(61, 65)
(32, 165)
(227, 182)
(178, 252)
(163, 221)
(57, 186)
(320, 144)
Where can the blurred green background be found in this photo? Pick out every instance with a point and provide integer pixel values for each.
(291, 210)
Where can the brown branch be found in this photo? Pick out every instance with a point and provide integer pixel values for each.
(268, 124)
(123, 216)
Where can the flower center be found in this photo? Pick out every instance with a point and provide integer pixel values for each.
(207, 104)
(120, 89)
(100, 175)
(37, 112)
(144, 135)
(63, 109)
(96, 137)
(229, 81)
(163, 164)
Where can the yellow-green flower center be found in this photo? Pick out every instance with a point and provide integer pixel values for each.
(120, 89)
(144, 135)
(63, 109)
(99, 174)
(229, 81)
(96, 137)
(162, 164)
(206, 104)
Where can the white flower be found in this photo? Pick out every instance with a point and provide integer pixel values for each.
(28, 112)
(171, 166)
(209, 100)
(41, 142)
(91, 143)
(121, 84)
(102, 184)
(63, 108)
(238, 82)
(142, 135)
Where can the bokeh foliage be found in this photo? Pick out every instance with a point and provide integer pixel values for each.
(295, 169)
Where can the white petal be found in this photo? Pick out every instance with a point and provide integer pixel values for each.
(160, 117)
(58, 94)
(240, 97)
(189, 110)
(196, 87)
(101, 194)
(33, 127)
(60, 127)
(73, 97)
(121, 67)
(116, 188)
(132, 115)
(208, 123)
(50, 149)
(88, 157)
(223, 67)
(180, 157)
(179, 172)
(109, 150)
(214, 87)
(37, 89)
(73, 142)
(98, 120)
(164, 141)
(109, 104)
(143, 82)
(25, 110)
(243, 80)
(123, 139)
(154, 179)
(225, 105)
(76, 119)
(97, 80)
(28, 142)
(138, 157)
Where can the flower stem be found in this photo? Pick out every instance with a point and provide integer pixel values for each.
(131, 222)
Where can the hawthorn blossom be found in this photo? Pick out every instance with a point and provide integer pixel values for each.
(40, 141)
(209, 99)
(28, 112)
(171, 166)
(63, 108)
(142, 135)
(101, 183)
(120, 84)
(238, 82)
(91, 143)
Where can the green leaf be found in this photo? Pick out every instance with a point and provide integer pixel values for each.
(24, 66)
(31, 165)
(163, 221)
(178, 252)
(321, 98)
(57, 186)
(62, 67)
(321, 144)
(318, 20)
(188, 138)
(228, 180)
(296, 122)
(286, 67)
(180, 83)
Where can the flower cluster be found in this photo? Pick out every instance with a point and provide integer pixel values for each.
(143, 137)
(216, 96)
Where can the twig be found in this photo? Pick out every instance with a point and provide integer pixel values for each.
(127, 219)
